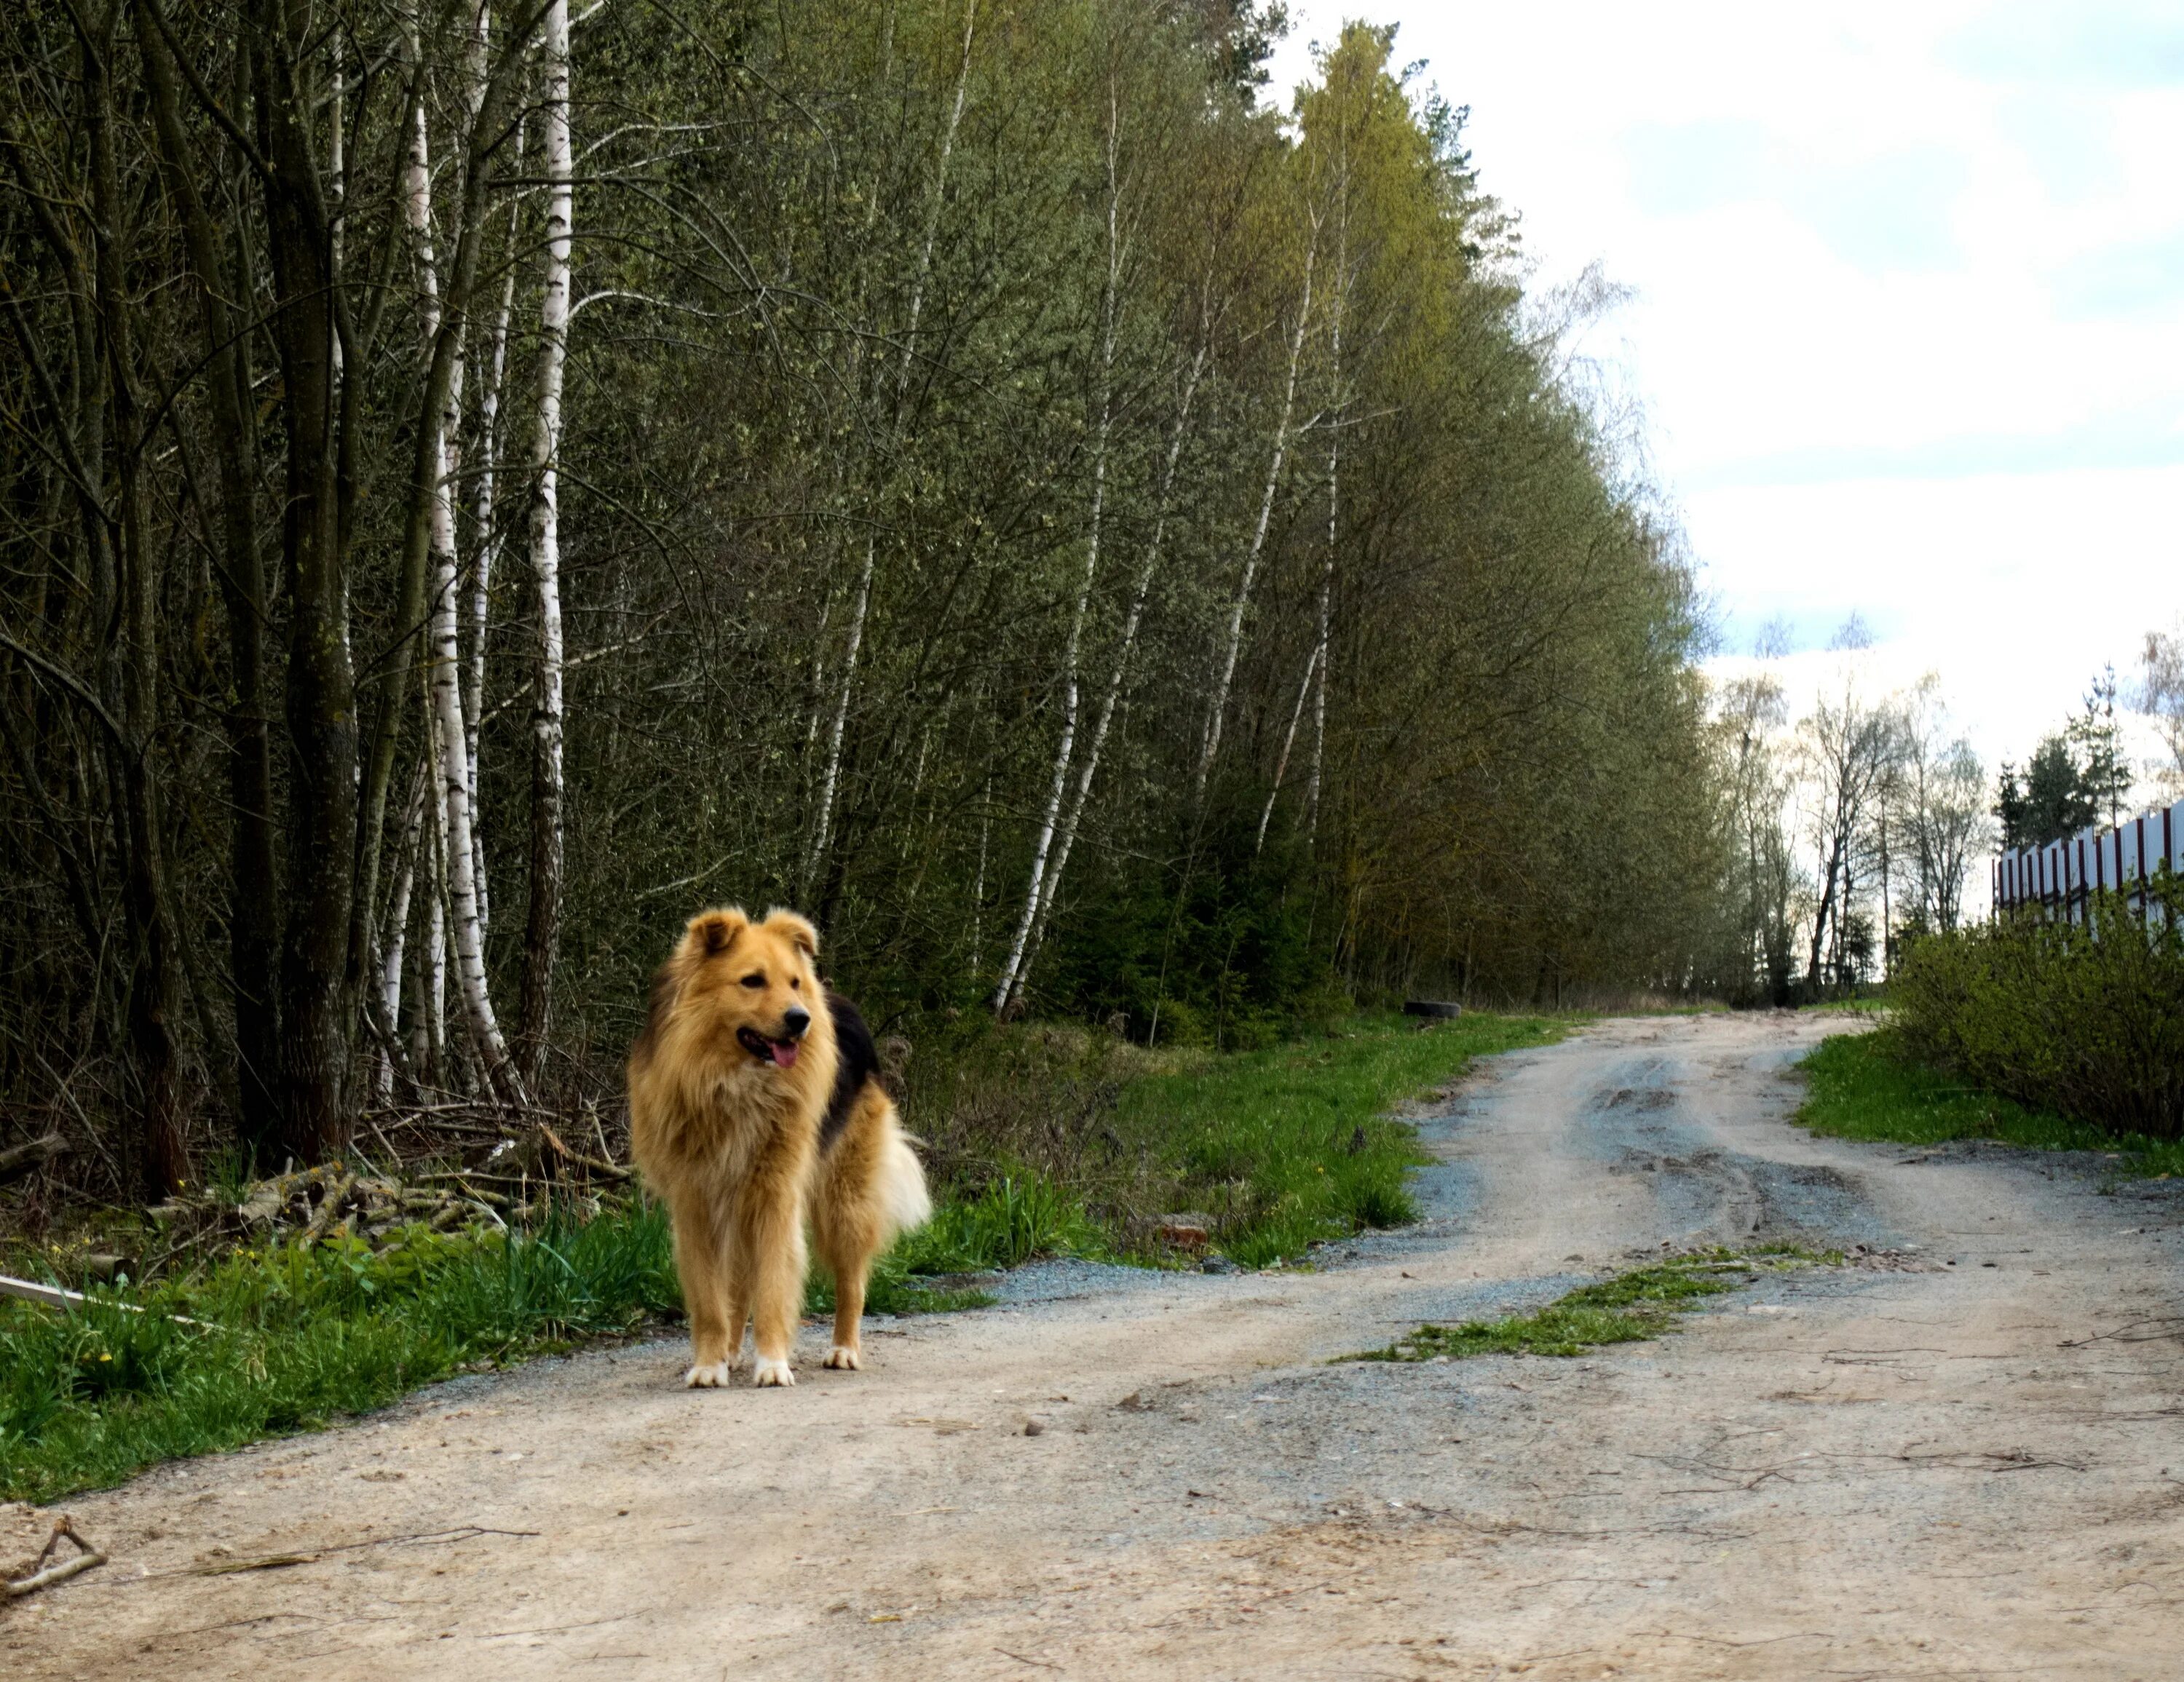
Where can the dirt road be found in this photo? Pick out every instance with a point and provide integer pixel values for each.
(1962, 1461)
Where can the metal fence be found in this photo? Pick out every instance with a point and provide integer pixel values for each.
(2063, 874)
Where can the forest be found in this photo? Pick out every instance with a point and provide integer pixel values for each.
(1112, 545)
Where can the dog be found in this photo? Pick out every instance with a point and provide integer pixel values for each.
(754, 1102)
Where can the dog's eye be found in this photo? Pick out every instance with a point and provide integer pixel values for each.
(795, 981)
(754, 980)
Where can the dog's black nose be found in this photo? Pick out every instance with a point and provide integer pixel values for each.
(796, 1019)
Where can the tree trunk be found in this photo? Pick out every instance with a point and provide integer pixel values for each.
(1083, 793)
(153, 984)
(392, 944)
(542, 929)
(485, 528)
(1065, 748)
(316, 410)
(1289, 741)
(254, 906)
(830, 779)
(1233, 642)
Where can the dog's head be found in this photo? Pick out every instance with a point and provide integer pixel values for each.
(752, 981)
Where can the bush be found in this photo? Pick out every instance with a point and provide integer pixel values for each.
(2086, 1018)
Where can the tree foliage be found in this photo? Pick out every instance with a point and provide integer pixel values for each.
(951, 394)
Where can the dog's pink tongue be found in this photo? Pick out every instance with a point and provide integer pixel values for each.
(784, 1053)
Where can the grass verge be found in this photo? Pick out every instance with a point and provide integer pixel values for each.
(1641, 1304)
(1293, 1143)
(1869, 1086)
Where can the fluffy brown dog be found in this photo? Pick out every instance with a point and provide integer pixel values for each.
(753, 1098)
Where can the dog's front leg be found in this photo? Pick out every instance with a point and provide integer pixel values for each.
(772, 1252)
(701, 1261)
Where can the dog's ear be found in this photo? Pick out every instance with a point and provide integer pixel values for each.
(712, 932)
(795, 929)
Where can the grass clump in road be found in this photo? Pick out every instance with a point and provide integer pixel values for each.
(1870, 1086)
(1294, 1144)
(1629, 1308)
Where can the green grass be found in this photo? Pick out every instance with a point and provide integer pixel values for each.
(1643, 1303)
(1294, 1144)
(288, 1339)
(1867, 1086)
(1294, 1139)
(1868, 1005)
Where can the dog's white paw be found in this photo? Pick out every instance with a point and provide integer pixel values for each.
(707, 1376)
(767, 1373)
(843, 1359)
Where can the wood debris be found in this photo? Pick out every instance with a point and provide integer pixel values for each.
(44, 1571)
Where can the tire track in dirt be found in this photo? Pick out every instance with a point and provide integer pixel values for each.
(1959, 1460)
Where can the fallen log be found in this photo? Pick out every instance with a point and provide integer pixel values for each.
(21, 1159)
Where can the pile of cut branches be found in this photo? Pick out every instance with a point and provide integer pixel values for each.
(517, 1180)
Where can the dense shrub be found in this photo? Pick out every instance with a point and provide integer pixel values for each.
(2086, 1017)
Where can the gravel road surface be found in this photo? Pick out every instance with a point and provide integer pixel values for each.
(1958, 1456)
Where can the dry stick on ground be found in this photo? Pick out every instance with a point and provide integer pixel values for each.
(273, 1562)
(18, 1159)
(43, 1575)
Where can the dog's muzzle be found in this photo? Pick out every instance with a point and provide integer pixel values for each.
(781, 1052)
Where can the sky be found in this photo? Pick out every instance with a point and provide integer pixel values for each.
(1908, 305)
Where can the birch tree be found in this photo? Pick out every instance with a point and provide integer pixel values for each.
(1231, 642)
(1126, 646)
(443, 313)
(1064, 747)
(543, 929)
(823, 825)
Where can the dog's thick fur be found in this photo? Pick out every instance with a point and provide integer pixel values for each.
(744, 1126)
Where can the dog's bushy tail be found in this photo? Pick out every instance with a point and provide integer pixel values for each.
(900, 1190)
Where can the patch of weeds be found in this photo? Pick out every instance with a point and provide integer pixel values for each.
(1869, 1086)
(1627, 1308)
(1018, 1217)
(1868, 1005)
(1294, 1144)
(269, 1342)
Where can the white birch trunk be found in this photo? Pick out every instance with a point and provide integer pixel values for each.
(1320, 654)
(433, 949)
(940, 199)
(443, 671)
(1289, 741)
(978, 889)
(337, 179)
(1139, 596)
(485, 528)
(392, 947)
(830, 779)
(541, 935)
(445, 684)
(822, 827)
(1324, 627)
(1065, 748)
(1233, 642)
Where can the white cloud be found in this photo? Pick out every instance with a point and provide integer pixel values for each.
(1910, 311)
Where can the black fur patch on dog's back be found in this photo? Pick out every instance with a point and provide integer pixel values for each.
(859, 1061)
